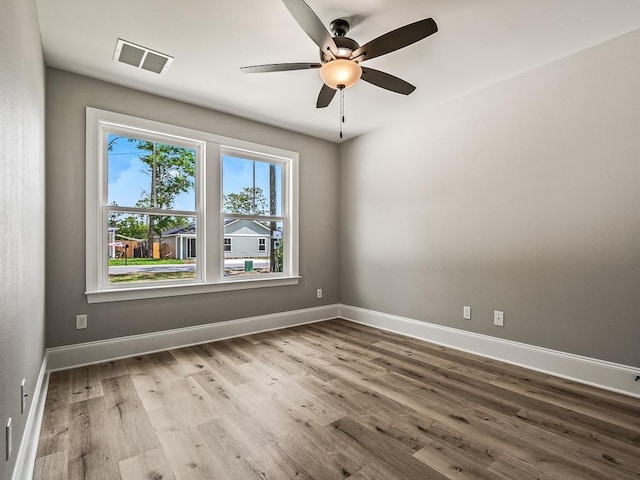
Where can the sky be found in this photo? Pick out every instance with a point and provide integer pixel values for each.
(238, 173)
(127, 178)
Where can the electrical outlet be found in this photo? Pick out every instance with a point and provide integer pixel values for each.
(81, 321)
(498, 318)
(8, 439)
(319, 293)
(23, 396)
(466, 313)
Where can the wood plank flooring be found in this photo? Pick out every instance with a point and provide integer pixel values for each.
(327, 401)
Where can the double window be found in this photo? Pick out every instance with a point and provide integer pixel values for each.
(173, 211)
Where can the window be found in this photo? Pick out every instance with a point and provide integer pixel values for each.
(151, 209)
(252, 202)
(191, 248)
(174, 211)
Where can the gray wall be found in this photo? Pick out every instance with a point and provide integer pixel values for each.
(67, 96)
(522, 197)
(22, 220)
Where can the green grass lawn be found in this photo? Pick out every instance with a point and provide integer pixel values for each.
(150, 277)
(117, 262)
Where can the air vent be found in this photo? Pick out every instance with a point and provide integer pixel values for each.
(141, 57)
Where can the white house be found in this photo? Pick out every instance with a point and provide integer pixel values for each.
(242, 239)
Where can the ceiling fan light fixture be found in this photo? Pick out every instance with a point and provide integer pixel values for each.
(340, 73)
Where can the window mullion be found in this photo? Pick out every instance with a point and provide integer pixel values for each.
(212, 235)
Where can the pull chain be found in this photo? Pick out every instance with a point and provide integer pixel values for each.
(341, 87)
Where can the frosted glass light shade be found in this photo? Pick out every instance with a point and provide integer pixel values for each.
(340, 72)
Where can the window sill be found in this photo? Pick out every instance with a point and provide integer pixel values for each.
(157, 291)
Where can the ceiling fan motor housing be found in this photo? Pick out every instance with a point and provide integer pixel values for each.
(345, 46)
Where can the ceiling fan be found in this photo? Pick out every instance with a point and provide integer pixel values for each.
(340, 56)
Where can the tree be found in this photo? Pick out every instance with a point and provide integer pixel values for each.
(130, 227)
(127, 225)
(250, 201)
(171, 170)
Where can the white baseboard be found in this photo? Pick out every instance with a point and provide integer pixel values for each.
(26, 456)
(598, 373)
(61, 358)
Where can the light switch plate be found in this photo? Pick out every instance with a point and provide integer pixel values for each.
(23, 396)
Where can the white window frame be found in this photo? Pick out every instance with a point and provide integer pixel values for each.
(210, 233)
(230, 244)
(262, 244)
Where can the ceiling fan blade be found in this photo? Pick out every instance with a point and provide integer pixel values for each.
(396, 39)
(386, 81)
(279, 67)
(311, 24)
(325, 97)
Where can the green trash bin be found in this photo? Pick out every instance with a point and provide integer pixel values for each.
(248, 265)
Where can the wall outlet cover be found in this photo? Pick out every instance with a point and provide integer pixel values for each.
(466, 313)
(81, 321)
(498, 318)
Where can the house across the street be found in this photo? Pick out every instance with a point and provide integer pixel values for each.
(242, 239)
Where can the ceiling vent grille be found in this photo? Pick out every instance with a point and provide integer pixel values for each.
(141, 57)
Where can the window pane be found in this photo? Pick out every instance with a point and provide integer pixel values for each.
(251, 187)
(252, 247)
(150, 174)
(150, 248)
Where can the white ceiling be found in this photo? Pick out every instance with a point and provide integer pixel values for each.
(479, 43)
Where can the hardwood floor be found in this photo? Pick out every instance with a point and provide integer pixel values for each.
(333, 400)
